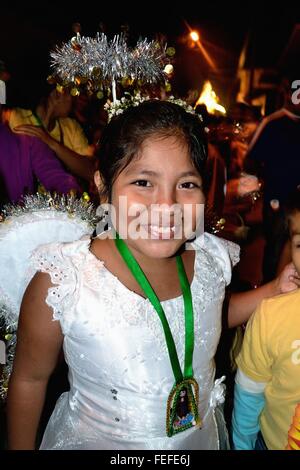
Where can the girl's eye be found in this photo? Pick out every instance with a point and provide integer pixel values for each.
(143, 183)
(189, 185)
(296, 242)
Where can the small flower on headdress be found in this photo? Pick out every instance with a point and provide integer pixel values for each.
(127, 101)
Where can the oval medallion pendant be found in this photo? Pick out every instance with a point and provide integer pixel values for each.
(182, 407)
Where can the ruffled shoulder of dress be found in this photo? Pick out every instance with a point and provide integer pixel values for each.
(224, 252)
(64, 262)
(60, 255)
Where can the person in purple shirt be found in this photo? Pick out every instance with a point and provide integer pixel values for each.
(23, 161)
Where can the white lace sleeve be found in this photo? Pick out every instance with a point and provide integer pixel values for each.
(62, 298)
(225, 252)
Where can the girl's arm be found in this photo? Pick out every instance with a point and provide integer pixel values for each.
(242, 305)
(39, 341)
(79, 165)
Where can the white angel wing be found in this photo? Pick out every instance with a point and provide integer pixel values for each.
(40, 220)
(19, 236)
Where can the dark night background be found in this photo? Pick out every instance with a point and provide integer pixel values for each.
(28, 32)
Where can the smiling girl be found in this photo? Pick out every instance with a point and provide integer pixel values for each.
(138, 314)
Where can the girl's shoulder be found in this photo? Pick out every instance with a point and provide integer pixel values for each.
(67, 265)
(17, 116)
(70, 125)
(62, 257)
(221, 254)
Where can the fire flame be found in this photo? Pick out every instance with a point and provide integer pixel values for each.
(210, 99)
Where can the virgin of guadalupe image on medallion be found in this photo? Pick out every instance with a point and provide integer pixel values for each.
(182, 409)
(184, 412)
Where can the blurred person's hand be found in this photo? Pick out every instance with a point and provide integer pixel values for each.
(35, 131)
(288, 280)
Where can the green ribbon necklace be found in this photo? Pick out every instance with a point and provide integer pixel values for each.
(38, 120)
(182, 404)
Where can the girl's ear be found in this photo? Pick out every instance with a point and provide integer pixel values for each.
(98, 180)
(99, 184)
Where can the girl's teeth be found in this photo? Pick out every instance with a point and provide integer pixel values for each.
(156, 228)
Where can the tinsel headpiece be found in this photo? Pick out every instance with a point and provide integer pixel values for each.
(98, 63)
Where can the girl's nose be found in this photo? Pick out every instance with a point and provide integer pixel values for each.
(166, 197)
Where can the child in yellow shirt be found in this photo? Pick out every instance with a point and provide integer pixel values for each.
(267, 391)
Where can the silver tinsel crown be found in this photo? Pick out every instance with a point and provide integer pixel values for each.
(99, 61)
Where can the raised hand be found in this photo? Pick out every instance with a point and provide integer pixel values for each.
(288, 280)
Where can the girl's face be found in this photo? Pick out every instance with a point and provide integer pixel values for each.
(295, 239)
(158, 198)
(62, 103)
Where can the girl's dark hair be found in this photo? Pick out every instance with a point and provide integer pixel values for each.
(123, 137)
(292, 205)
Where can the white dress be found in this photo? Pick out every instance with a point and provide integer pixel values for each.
(119, 368)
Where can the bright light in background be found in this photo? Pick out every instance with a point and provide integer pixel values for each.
(210, 99)
(194, 36)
